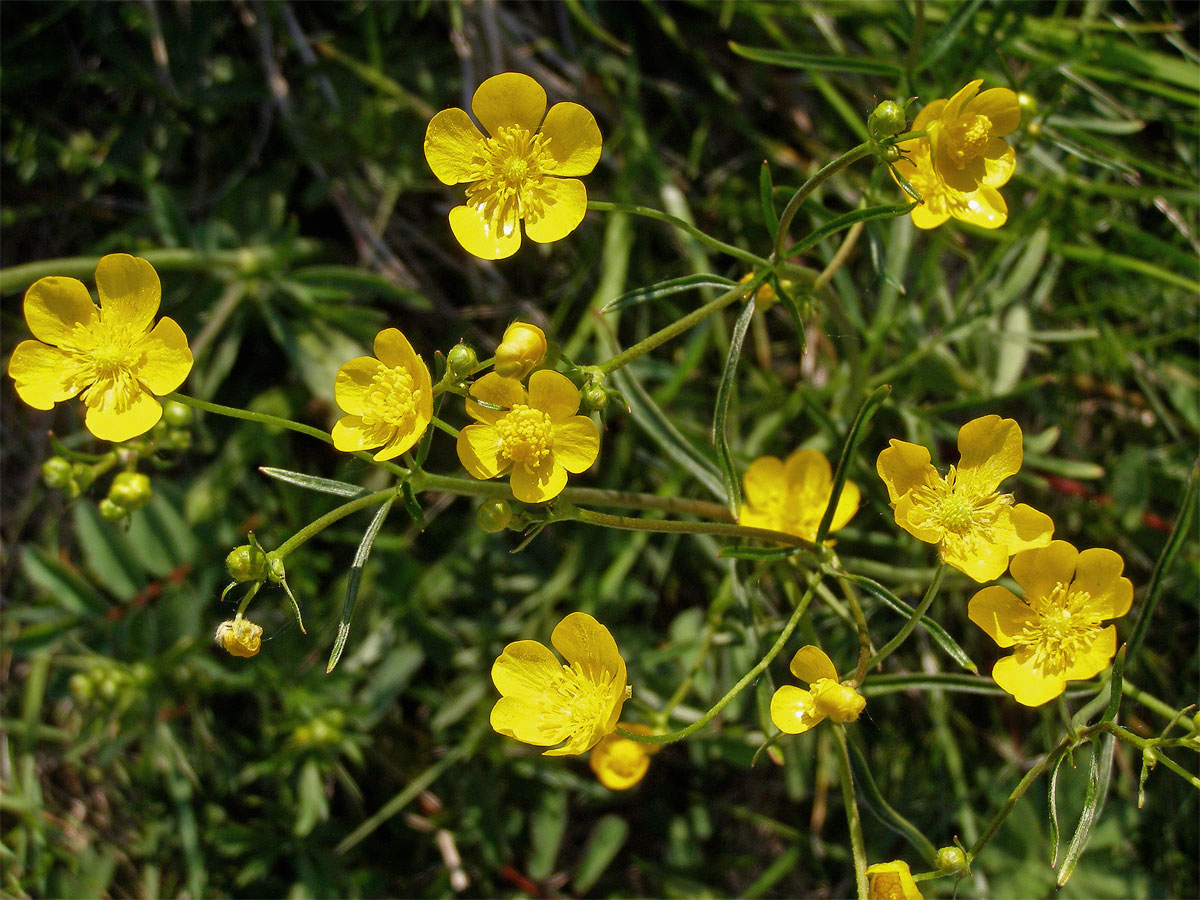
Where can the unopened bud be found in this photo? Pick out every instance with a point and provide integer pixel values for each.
(522, 348)
(111, 512)
(56, 472)
(493, 515)
(951, 859)
(461, 361)
(1027, 103)
(594, 397)
(239, 637)
(177, 415)
(130, 490)
(887, 120)
(246, 563)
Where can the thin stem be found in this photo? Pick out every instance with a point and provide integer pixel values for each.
(902, 635)
(840, 257)
(720, 246)
(852, 817)
(814, 579)
(822, 175)
(1072, 733)
(316, 526)
(629, 523)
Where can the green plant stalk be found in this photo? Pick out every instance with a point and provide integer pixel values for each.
(814, 579)
(720, 246)
(902, 635)
(806, 189)
(686, 684)
(629, 523)
(316, 526)
(853, 820)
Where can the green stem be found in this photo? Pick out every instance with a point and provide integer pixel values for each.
(814, 579)
(720, 246)
(852, 816)
(822, 175)
(316, 526)
(902, 635)
(629, 523)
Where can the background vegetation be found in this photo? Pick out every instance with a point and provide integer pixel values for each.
(275, 150)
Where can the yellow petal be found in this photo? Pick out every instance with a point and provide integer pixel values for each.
(44, 375)
(1001, 107)
(1098, 572)
(554, 394)
(1023, 528)
(481, 238)
(930, 214)
(350, 434)
(892, 881)
(54, 306)
(809, 476)
(525, 670)
(140, 415)
(509, 99)
(522, 721)
(930, 113)
(479, 451)
(990, 450)
(955, 105)
(403, 438)
(129, 290)
(999, 162)
(904, 466)
(618, 762)
(984, 208)
(1027, 686)
(538, 485)
(792, 710)
(165, 358)
(576, 444)
(965, 178)
(910, 517)
(574, 139)
(498, 391)
(1096, 658)
(811, 664)
(999, 613)
(352, 381)
(583, 640)
(847, 505)
(565, 202)
(394, 351)
(765, 482)
(1038, 571)
(974, 555)
(450, 143)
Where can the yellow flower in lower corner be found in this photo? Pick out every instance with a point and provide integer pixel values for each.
(388, 398)
(546, 703)
(795, 710)
(520, 172)
(1056, 630)
(620, 763)
(239, 637)
(791, 496)
(109, 353)
(537, 437)
(891, 881)
(975, 528)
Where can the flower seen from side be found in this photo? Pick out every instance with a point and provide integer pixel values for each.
(976, 528)
(791, 496)
(521, 171)
(1056, 631)
(567, 708)
(387, 398)
(536, 438)
(109, 353)
(521, 350)
(620, 763)
(239, 637)
(891, 881)
(983, 207)
(795, 710)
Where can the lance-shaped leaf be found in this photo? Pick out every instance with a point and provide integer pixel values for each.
(1093, 802)
(733, 492)
(666, 289)
(314, 483)
(360, 559)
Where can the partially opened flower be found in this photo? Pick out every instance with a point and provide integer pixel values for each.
(388, 398)
(1056, 630)
(521, 171)
(535, 438)
(548, 704)
(620, 763)
(891, 881)
(110, 353)
(965, 136)
(795, 710)
(522, 349)
(791, 496)
(975, 528)
(983, 207)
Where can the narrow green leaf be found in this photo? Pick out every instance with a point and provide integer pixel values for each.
(604, 841)
(733, 491)
(812, 62)
(547, 826)
(106, 554)
(62, 584)
(765, 188)
(1115, 685)
(1053, 800)
(411, 506)
(1097, 788)
(314, 483)
(666, 289)
(886, 814)
(758, 553)
(849, 448)
(352, 582)
(936, 47)
(842, 222)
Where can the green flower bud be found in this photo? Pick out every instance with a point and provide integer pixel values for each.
(275, 568)
(594, 397)
(131, 490)
(82, 477)
(951, 859)
(887, 120)
(461, 360)
(493, 515)
(56, 472)
(246, 563)
(112, 512)
(177, 415)
(1027, 103)
(81, 686)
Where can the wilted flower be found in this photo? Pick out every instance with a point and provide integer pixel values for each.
(239, 637)
(891, 881)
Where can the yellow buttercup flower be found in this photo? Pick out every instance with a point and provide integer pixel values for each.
(109, 353)
(620, 763)
(891, 881)
(388, 398)
(965, 136)
(983, 207)
(546, 703)
(1056, 630)
(537, 437)
(791, 496)
(239, 637)
(795, 710)
(975, 528)
(521, 350)
(520, 171)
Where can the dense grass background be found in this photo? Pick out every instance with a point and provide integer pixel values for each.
(277, 146)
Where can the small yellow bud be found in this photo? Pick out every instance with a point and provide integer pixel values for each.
(839, 702)
(1027, 103)
(522, 348)
(239, 637)
(951, 859)
(765, 297)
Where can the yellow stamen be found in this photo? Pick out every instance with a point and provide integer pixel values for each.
(527, 435)
(391, 399)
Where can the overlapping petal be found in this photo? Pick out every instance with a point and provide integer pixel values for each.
(482, 238)
(166, 359)
(44, 375)
(60, 310)
(137, 415)
(509, 98)
(129, 291)
(564, 202)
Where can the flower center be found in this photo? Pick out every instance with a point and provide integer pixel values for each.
(108, 359)
(507, 170)
(580, 700)
(1064, 627)
(527, 435)
(953, 506)
(968, 137)
(391, 399)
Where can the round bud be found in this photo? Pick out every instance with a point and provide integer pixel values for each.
(131, 490)
(81, 686)
(246, 563)
(1027, 103)
(177, 415)
(56, 472)
(594, 397)
(493, 515)
(887, 120)
(951, 859)
(239, 637)
(178, 439)
(521, 350)
(461, 360)
(106, 685)
(112, 512)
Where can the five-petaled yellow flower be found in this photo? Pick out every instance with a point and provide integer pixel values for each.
(975, 528)
(520, 171)
(109, 353)
(983, 207)
(791, 496)
(545, 703)
(795, 710)
(891, 881)
(538, 437)
(388, 398)
(620, 763)
(1056, 630)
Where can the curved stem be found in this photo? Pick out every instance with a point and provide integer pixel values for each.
(720, 246)
(903, 633)
(821, 176)
(316, 526)
(853, 822)
(630, 523)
